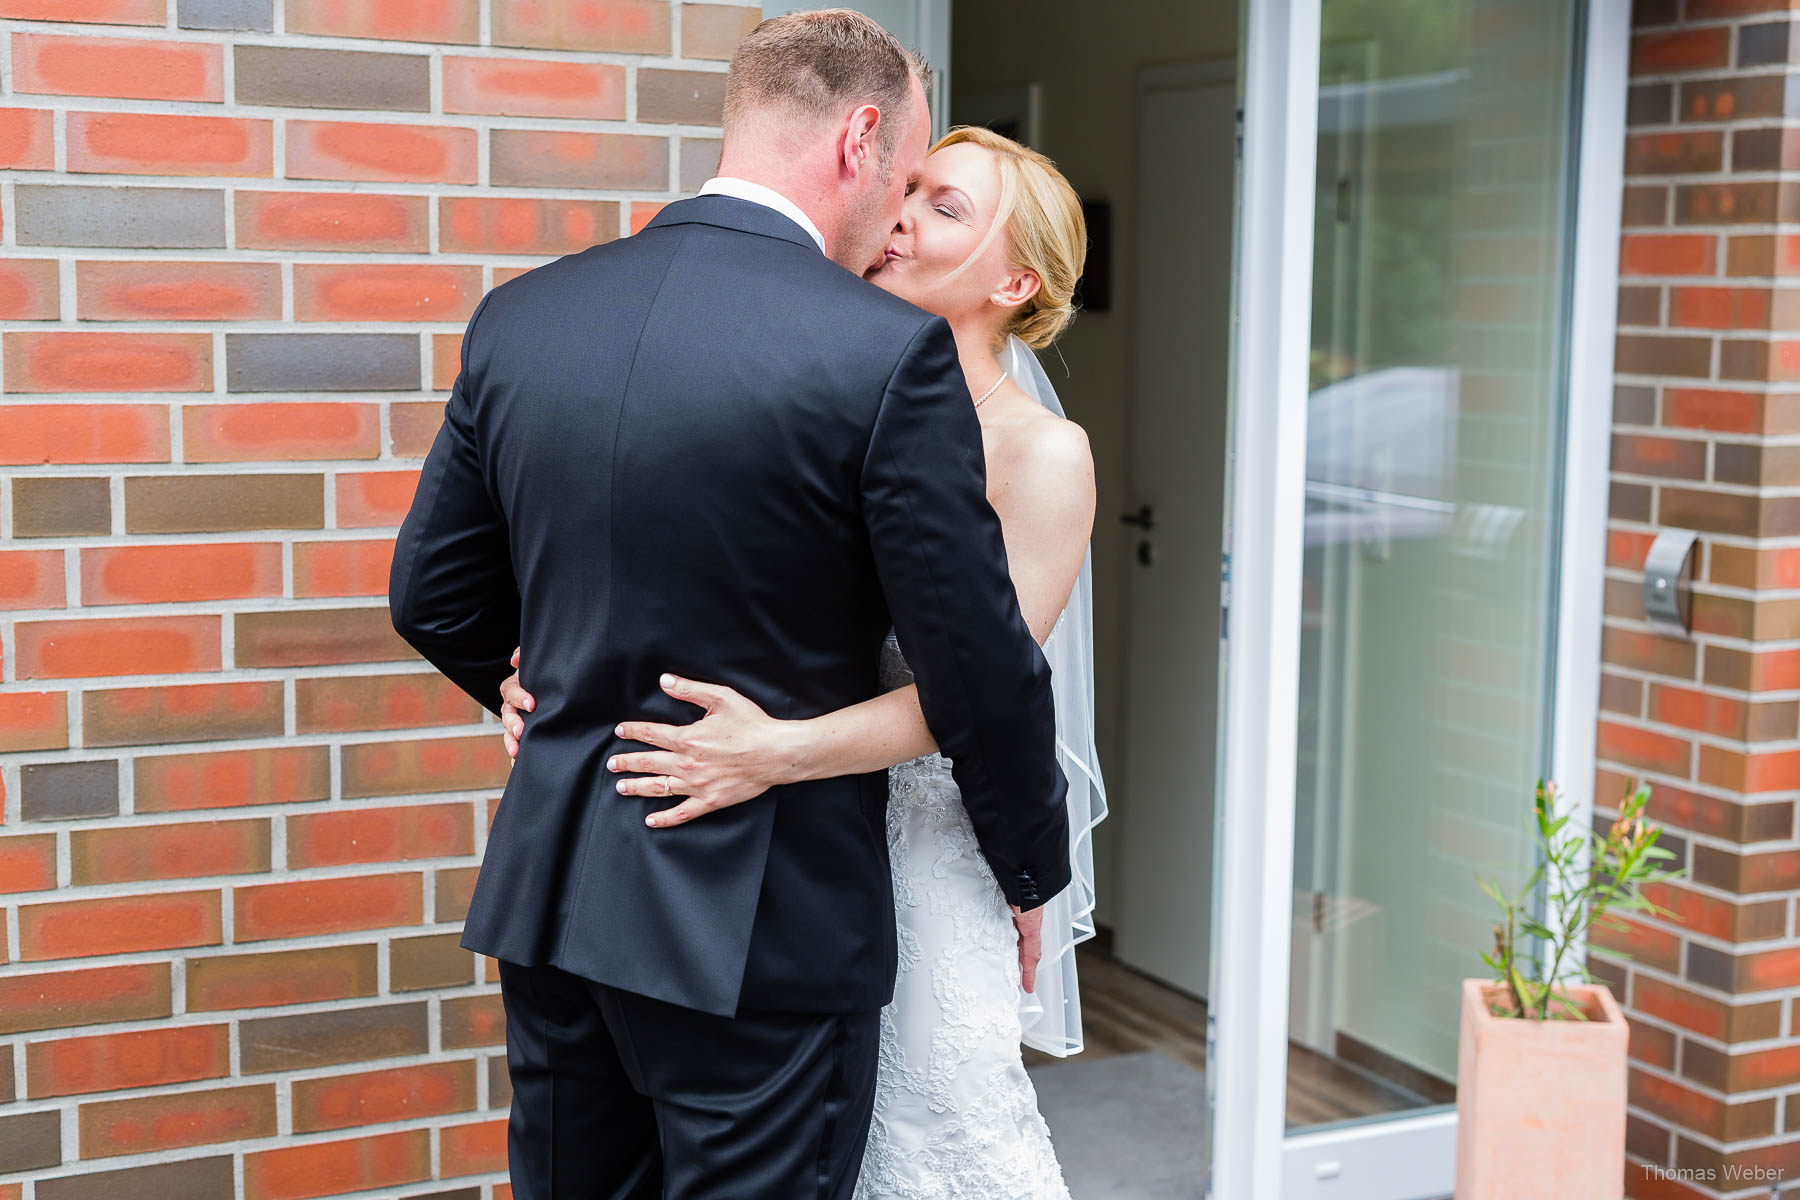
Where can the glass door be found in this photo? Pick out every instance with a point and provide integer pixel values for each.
(1441, 253)
(1397, 670)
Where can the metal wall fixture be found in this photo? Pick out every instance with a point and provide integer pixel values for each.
(1668, 582)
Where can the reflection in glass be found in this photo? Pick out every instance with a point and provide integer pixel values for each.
(1433, 443)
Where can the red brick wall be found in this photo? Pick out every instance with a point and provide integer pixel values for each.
(1707, 438)
(241, 819)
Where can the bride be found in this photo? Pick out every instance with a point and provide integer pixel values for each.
(991, 238)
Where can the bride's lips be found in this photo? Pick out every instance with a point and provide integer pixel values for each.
(887, 256)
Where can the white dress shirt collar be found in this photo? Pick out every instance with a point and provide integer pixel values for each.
(768, 197)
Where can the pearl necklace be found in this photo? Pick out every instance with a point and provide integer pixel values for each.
(993, 389)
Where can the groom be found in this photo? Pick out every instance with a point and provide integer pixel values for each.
(711, 449)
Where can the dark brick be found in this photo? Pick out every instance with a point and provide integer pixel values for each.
(680, 97)
(1664, 354)
(211, 503)
(1621, 694)
(190, 1179)
(1704, 1064)
(29, 1141)
(1742, 359)
(454, 886)
(1634, 404)
(1775, 721)
(1646, 1140)
(1709, 511)
(1640, 305)
(1780, 516)
(1650, 104)
(1645, 204)
(499, 1083)
(1765, 44)
(322, 1039)
(699, 161)
(137, 216)
(1709, 967)
(257, 15)
(1629, 501)
(67, 791)
(1737, 462)
(312, 636)
(61, 506)
(1769, 822)
(1756, 149)
(303, 77)
(1612, 974)
(322, 362)
(434, 961)
(539, 158)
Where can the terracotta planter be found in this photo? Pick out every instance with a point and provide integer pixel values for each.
(1540, 1105)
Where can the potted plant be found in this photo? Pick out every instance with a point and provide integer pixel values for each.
(1540, 1086)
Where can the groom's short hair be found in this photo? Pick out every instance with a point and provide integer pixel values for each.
(820, 62)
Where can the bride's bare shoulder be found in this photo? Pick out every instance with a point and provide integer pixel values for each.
(1037, 437)
(1039, 461)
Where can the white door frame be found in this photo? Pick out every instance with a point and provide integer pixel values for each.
(1252, 1158)
(1253, 861)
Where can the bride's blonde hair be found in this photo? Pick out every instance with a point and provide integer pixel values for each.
(1045, 231)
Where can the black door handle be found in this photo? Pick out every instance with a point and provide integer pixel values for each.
(1143, 518)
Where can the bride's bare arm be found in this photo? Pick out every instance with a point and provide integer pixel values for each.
(1042, 487)
(1044, 495)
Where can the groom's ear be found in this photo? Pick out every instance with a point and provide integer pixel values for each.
(856, 154)
(1020, 285)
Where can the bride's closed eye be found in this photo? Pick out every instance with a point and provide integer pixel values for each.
(951, 203)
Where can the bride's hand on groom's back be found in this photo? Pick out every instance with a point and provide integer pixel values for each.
(733, 753)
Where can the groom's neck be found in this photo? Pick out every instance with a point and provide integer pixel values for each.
(803, 183)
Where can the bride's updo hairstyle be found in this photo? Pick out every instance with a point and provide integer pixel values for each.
(1045, 232)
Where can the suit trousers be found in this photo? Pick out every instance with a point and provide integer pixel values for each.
(618, 1096)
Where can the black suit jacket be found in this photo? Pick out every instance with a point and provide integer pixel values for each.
(708, 449)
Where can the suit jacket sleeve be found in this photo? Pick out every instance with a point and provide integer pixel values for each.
(451, 590)
(984, 685)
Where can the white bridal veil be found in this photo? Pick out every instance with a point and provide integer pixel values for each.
(1051, 1015)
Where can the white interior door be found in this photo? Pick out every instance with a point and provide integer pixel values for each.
(1162, 925)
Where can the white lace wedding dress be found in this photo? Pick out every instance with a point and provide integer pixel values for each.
(956, 1116)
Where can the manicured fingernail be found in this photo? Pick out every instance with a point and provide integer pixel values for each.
(619, 729)
(650, 821)
(612, 764)
(620, 785)
(668, 681)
